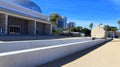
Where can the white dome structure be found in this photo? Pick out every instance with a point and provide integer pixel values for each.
(23, 17)
(98, 32)
(27, 4)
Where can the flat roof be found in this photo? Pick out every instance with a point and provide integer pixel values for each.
(23, 14)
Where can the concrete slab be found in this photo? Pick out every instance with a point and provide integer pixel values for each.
(105, 56)
(71, 58)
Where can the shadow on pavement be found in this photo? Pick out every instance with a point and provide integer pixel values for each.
(70, 58)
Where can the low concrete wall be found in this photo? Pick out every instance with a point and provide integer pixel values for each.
(22, 45)
(38, 56)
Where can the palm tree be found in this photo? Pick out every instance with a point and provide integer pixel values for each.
(100, 24)
(54, 18)
(119, 24)
(91, 26)
(107, 28)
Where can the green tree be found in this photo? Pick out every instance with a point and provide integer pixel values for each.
(119, 24)
(91, 26)
(58, 31)
(54, 18)
(100, 24)
(107, 27)
(78, 29)
(72, 29)
(114, 29)
(86, 31)
(110, 28)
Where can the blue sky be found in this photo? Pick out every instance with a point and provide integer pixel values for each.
(83, 12)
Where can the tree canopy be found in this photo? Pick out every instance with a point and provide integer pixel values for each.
(54, 18)
(91, 26)
(110, 28)
(119, 23)
(81, 30)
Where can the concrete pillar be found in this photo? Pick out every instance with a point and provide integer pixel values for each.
(6, 24)
(51, 29)
(35, 27)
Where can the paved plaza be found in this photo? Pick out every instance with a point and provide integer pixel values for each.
(106, 55)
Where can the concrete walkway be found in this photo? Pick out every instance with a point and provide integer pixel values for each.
(105, 56)
(108, 55)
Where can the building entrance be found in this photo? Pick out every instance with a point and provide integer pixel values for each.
(14, 30)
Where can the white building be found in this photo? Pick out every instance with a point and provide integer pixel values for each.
(63, 22)
(22, 17)
(71, 24)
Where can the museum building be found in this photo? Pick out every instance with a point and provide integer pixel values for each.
(23, 17)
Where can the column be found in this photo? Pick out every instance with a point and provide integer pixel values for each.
(35, 27)
(51, 29)
(6, 24)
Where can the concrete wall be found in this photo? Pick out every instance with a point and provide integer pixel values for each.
(41, 55)
(43, 29)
